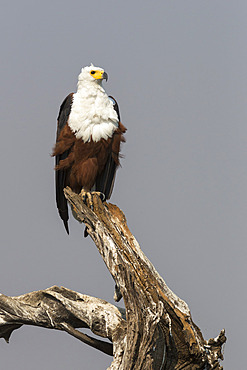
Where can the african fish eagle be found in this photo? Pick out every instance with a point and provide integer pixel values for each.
(89, 133)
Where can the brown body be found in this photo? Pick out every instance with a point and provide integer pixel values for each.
(89, 166)
(86, 161)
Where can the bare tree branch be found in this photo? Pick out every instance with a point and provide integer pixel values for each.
(98, 344)
(158, 331)
(61, 309)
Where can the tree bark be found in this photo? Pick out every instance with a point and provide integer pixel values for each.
(157, 331)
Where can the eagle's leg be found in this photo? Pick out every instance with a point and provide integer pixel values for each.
(87, 197)
(90, 197)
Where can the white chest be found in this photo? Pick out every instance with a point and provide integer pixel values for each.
(92, 114)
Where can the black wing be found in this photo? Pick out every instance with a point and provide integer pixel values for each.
(61, 175)
(105, 181)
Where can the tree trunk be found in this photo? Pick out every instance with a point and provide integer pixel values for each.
(156, 330)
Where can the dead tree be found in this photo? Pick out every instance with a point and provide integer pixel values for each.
(155, 331)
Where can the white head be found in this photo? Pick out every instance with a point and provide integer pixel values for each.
(92, 115)
(92, 74)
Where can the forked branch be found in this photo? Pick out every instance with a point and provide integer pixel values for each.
(158, 331)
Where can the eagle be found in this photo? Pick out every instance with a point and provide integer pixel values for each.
(89, 134)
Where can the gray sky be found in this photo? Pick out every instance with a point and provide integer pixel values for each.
(178, 71)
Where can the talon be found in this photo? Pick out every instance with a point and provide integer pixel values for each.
(90, 200)
(84, 196)
(87, 197)
(101, 195)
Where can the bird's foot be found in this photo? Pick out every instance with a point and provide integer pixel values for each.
(101, 195)
(87, 197)
(84, 195)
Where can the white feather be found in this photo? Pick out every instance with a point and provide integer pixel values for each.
(92, 114)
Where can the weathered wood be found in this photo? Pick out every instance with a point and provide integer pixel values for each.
(157, 331)
(160, 331)
(61, 309)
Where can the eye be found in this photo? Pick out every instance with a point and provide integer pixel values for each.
(92, 72)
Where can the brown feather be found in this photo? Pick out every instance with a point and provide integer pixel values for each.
(86, 160)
